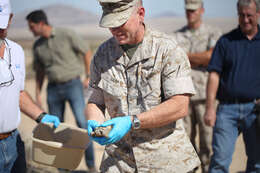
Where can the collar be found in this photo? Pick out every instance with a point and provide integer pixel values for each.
(53, 32)
(188, 31)
(139, 54)
(256, 37)
(7, 54)
(7, 43)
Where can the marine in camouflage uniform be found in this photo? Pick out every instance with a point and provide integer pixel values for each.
(198, 42)
(157, 71)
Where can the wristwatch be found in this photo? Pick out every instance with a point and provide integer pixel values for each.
(40, 117)
(136, 124)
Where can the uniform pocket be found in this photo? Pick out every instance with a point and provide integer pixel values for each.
(143, 82)
(112, 87)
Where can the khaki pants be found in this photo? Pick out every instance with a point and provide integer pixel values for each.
(194, 119)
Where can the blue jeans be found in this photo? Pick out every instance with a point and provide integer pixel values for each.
(8, 152)
(20, 162)
(232, 119)
(71, 91)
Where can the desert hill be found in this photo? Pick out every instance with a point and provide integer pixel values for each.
(58, 14)
(86, 23)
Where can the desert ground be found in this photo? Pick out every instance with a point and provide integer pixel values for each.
(89, 32)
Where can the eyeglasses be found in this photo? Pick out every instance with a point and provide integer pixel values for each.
(6, 74)
(246, 15)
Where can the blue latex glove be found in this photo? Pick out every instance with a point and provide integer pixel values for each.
(92, 124)
(121, 126)
(51, 119)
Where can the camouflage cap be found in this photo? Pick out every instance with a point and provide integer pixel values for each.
(193, 4)
(116, 12)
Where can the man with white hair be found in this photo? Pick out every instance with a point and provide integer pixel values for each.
(234, 80)
(13, 97)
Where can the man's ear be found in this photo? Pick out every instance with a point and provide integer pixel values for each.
(202, 10)
(141, 13)
(258, 13)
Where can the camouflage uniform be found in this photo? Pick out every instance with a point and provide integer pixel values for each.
(130, 86)
(194, 41)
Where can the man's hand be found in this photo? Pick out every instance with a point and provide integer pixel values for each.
(121, 126)
(86, 82)
(210, 117)
(51, 119)
(92, 124)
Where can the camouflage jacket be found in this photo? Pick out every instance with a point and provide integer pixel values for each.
(158, 70)
(195, 41)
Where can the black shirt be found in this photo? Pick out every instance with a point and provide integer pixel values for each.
(237, 60)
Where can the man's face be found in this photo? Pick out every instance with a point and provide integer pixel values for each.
(248, 18)
(3, 33)
(194, 16)
(35, 28)
(128, 32)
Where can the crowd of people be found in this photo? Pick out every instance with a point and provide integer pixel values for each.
(155, 89)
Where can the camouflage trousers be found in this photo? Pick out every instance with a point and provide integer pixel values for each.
(194, 125)
(157, 150)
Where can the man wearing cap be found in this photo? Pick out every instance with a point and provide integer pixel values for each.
(198, 40)
(13, 97)
(142, 78)
(57, 55)
(234, 77)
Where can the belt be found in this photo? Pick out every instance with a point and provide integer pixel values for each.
(60, 83)
(6, 135)
(237, 101)
(196, 102)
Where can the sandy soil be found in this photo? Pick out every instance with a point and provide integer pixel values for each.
(27, 125)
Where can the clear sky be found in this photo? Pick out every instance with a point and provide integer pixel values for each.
(213, 8)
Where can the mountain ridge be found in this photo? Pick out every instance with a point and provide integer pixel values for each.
(58, 15)
(86, 23)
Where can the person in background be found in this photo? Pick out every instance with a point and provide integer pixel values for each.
(234, 77)
(14, 98)
(198, 40)
(58, 55)
(142, 78)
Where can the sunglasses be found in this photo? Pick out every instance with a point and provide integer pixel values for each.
(6, 74)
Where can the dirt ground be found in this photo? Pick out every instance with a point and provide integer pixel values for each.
(27, 125)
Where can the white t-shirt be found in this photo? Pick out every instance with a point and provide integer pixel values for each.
(9, 95)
